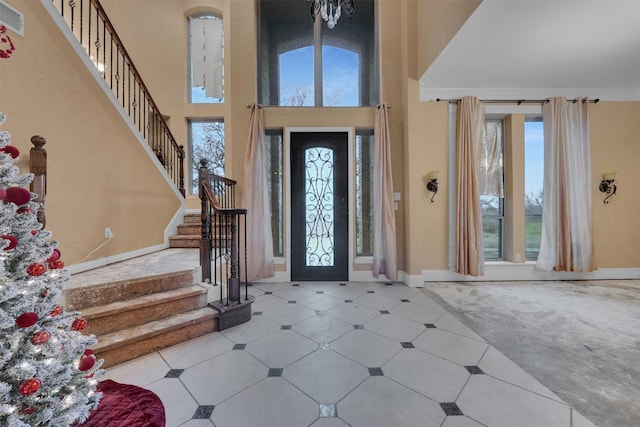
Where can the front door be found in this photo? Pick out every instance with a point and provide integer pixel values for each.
(319, 206)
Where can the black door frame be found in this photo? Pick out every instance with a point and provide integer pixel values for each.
(350, 188)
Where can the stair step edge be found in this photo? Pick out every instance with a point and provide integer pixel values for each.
(135, 303)
(152, 329)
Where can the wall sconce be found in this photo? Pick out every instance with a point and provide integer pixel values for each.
(608, 185)
(432, 183)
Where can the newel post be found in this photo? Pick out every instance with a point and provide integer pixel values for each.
(181, 156)
(205, 218)
(38, 167)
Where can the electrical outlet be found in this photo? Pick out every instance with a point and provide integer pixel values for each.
(518, 257)
(108, 234)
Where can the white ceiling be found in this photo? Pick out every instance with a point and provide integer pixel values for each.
(533, 49)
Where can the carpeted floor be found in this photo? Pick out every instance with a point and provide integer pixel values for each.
(581, 339)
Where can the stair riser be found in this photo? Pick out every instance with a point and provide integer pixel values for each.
(129, 351)
(77, 299)
(99, 325)
(190, 229)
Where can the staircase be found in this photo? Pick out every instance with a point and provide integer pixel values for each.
(142, 305)
(189, 233)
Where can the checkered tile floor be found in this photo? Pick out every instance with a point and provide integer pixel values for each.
(344, 354)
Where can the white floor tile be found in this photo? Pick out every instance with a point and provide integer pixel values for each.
(579, 420)
(329, 422)
(258, 327)
(365, 347)
(320, 302)
(497, 403)
(499, 366)
(281, 348)
(460, 421)
(271, 402)
(323, 329)
(429, 375)
(449, 323)
(288, 314)
(398, 291)
(353, 313)
(453, 347)
(179, 405)
(376, 301)
(197, 423)
(141, 371)
(325, 376)
(345, 292)
(219, 378)
(293, 293)
(395, 328)
(418, 312)
(380, 402)
(192, 352)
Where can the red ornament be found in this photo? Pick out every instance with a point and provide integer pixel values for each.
(27, 410)
(36, 269)
(40, 337)
(56, 311)
(34, 232)
(13, 241)
(56, 265)
(79, 324)
(87, 360)
(11, 150)
(29, 386)
(54, 256)
(25, 209)
(17, 195)
(27, 319)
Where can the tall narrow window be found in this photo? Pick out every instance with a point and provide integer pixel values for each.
(364, 192)
(491, 189)
(207, 142)
(303, 63)
(207, 59)
(534, 172)
(273, 148)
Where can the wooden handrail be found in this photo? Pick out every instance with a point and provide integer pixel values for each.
(221, 234)
(38, 167)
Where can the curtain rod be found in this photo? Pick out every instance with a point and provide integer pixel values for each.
(514, 101)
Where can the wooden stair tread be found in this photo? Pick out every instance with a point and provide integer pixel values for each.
(151, 329)
(141, 301)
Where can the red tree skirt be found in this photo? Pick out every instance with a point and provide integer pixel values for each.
(126, 405)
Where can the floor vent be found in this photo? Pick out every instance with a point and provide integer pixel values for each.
(11, 18)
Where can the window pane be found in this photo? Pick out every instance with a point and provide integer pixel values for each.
(491, 185)
(340, 83)
(206, 59)
(364, 192)
(207, 142)
(534, 173)
(349, 59)
(273, 148)
(296, 77)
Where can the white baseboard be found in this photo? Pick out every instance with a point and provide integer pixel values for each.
(527, 271)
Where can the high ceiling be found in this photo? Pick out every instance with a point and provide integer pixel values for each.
(533, 49)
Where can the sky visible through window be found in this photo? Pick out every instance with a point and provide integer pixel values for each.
(340, 76)
(534, 155)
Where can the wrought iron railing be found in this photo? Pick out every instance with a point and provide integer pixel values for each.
(92, 28)
(223, 236)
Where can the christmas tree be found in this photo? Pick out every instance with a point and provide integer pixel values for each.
(48, 374)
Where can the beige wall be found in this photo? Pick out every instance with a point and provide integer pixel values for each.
(45, 89)
(615, 147)
(99, 175)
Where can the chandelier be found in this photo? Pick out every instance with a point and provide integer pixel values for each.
(330, 10)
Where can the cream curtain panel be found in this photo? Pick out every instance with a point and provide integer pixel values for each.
(469, 240)
(206, 55)
(255, 198)
(384, 216)
(566, 243)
